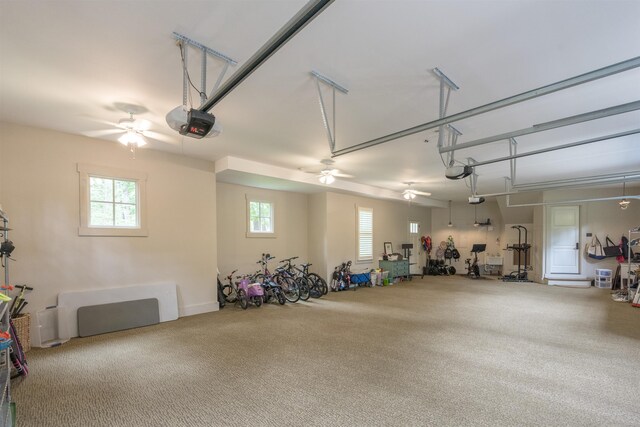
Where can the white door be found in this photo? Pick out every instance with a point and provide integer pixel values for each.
(563, 237)
(416, 253)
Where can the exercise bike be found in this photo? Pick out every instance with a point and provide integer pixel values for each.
(473, 270)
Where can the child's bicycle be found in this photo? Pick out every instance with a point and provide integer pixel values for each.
(241, 292)
(288, 286)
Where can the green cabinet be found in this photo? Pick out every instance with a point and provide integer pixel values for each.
(395, 268)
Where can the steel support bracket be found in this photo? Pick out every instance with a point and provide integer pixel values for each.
(331, 129)
(205, 51)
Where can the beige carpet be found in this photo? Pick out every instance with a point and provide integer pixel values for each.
(437, 351)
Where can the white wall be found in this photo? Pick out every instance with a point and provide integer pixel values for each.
(317, 227)
(39, 191)
(237, 251)
(464, 234)
(390, 224)
(600, 218)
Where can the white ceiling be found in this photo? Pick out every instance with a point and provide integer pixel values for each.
(64, 65)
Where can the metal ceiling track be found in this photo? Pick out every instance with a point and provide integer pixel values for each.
(567, 121)
(525, 96)
(513, 156)
(310, 11)
(203, 67)
(331, 134)
(565, 202)
(560, 184)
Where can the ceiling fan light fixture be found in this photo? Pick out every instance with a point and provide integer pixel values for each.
(409, 195)
(326, 179)
(131, 137)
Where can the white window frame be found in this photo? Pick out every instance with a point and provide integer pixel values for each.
(367, 234)
(87, 171)
(261, 199)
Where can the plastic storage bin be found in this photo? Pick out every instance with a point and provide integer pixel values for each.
(52, 328)
(603, 278)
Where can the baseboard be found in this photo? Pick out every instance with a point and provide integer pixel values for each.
(194, 309)
(570, 283)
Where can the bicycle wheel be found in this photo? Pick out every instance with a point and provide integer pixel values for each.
(318, 282)
(315, 288)
(281, 298)
(229, 294)
(303, 286)
(243, 299)
(257, 301)
(289, 288)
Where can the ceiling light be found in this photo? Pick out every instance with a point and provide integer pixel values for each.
(624, 203)
(327, 178)
(131, 137)
(409, 195)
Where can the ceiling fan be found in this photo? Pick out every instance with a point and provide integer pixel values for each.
(134, 130)
(410, 193)
(328, 174)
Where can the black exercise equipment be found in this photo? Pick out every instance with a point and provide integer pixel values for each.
(473, 270)
(521, 274)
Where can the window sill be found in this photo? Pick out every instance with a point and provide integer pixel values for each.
(116, 232)
(262, 235)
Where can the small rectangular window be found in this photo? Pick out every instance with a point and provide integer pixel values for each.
(414, 227)
(112, 202)
(261, 220)
(365, 234)
(260, 217)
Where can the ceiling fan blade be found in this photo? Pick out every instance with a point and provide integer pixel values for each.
(342, 175)
(103, 132)
(422, 193)
(159, 136)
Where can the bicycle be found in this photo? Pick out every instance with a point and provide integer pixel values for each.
(316, 284)
(234, 294)
(288, 286)
(288, 270)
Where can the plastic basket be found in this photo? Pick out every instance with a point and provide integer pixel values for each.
(22, 324)
(52, 327)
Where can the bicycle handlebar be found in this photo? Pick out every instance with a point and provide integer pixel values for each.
(288, 259)
(23, 287)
